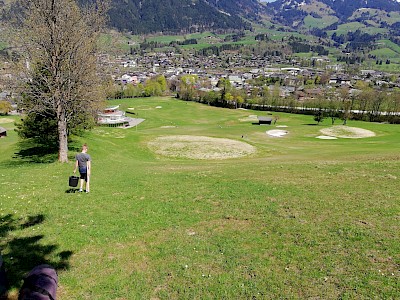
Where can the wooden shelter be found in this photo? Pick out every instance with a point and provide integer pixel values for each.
(264, 120)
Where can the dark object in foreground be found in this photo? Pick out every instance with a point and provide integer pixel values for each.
(73, 181)
(3, 280)
(40, 284)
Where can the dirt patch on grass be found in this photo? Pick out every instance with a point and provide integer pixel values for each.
(250, 118)
(106, 133)
(277, 133)
(200, 147)
(347, 132)
(6, 120)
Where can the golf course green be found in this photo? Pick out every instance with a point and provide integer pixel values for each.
(198, 202)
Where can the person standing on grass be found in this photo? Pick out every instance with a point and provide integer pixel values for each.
(83, 162)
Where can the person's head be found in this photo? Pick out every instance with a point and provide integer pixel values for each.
(84, 148)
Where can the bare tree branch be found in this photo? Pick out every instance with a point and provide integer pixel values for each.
(59, 41)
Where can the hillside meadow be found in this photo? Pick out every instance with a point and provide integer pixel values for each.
(297, 218)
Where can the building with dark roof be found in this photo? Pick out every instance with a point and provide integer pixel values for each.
(264, 120)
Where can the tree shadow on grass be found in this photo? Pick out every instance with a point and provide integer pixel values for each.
(31, 155)
(21, 254)
(32, 152)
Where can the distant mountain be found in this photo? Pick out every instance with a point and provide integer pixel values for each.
(345, 9)
(293, 12)
(250, 9)
(186, 16)
(149, 16)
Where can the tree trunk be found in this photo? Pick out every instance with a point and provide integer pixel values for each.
(62, 138)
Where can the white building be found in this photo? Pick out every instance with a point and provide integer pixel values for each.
(111, 116)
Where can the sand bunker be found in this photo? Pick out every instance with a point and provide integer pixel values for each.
(347, 132)
(277, 133)
(326, 137)
(6, 120)
(281, 126)
(158, 106)
(200, 147)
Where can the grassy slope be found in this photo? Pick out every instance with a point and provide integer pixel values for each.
(385, 53)
(377, 16)
(388, 49)
(311, 22)
(353, 26)
(302, 218)
(391, 45)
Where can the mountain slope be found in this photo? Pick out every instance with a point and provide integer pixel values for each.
(250, 9)
(147, 16)
(293, 12)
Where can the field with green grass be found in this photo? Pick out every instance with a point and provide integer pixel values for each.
(311, 22)
(391, 45)
(353, 26)
(387, 49)
(297, 218)
(376, 16)
(393, 67)
(384, 53)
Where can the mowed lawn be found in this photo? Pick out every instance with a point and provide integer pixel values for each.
(301, 218)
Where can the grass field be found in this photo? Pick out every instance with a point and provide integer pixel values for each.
(388, 49)
(301, 218)
(393, 67)
(385, 53)
(391, 45)
(353, 26)
(311, 22)
(376, 16)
